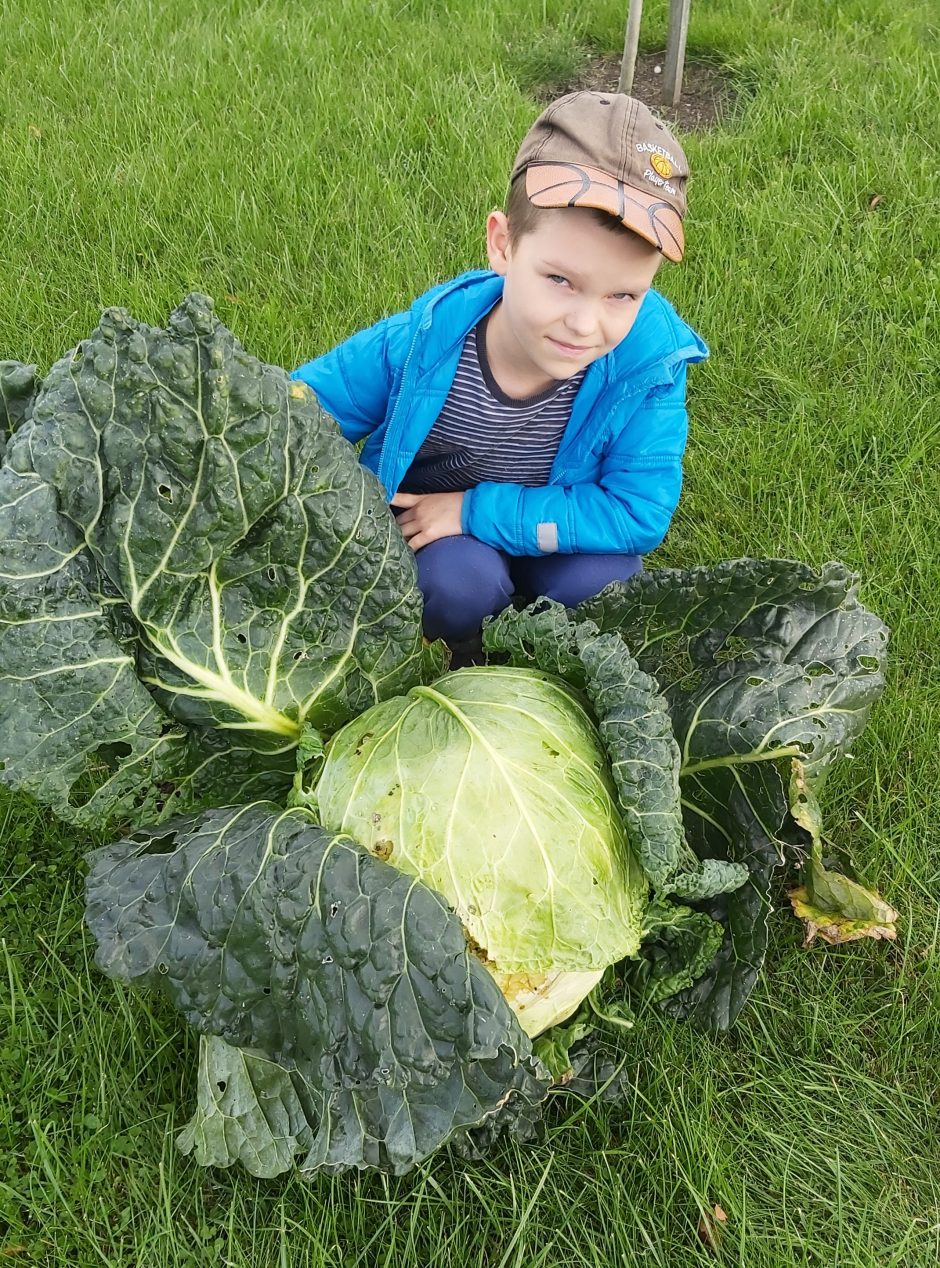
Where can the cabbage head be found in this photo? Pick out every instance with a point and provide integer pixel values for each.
(491, 786)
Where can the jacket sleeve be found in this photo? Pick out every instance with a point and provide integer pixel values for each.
(626, 510)
(355, 381)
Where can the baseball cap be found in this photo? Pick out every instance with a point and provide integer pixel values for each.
(608, 150)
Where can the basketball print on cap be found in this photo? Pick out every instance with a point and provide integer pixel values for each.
(550, 184)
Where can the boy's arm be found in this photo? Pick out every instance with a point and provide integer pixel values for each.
(627, 510)
(355, 380)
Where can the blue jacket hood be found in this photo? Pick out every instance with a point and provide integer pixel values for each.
(449, 311)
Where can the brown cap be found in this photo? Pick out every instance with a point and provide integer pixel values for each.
(607, 150)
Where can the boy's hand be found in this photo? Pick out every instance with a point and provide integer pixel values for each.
(428, 516)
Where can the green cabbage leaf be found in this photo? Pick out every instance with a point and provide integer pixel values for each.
(194, 569)
(18, 387)
(769, 669)
(283, 939)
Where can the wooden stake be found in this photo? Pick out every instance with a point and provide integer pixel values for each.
(631, 42)
(675, 50)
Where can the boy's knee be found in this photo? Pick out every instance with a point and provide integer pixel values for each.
(462, 580)
(570, 579)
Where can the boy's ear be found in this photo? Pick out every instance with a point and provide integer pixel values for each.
(497, 241)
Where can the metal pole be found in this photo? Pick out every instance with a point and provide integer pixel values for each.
(631, 42)
(675, 50)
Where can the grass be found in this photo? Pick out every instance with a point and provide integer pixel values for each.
(313, 168)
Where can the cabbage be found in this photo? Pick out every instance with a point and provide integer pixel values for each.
(365, 882)
(493, 788)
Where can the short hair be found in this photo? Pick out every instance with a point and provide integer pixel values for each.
(524, 218)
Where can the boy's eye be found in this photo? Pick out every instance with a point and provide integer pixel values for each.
(557, 277)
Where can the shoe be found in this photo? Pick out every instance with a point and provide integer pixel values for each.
(468, 651)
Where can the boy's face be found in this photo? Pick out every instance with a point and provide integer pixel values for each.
(572, 291)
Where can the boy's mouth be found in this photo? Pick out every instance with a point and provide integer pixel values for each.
(569, 348)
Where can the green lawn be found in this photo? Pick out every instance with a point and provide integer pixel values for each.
(314, 167)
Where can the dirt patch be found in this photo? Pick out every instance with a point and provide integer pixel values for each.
(706, 93)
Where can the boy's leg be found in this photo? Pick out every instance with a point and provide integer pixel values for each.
(462, 580)
(571, 578)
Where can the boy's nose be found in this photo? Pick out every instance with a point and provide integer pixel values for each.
(581, 323)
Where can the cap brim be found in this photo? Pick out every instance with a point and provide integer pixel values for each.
(574, 185)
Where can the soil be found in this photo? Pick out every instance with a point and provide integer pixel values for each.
(706, 94)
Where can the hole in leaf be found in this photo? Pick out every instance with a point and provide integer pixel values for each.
(327, 959)
(113, 754)
(754, 682)
(816, 669)
(267, 990)
(272, 575)
(241, 638)
(163, 968)
(734, 648)
(221, 1085)
(165, 492)
(104, 761)
(868, 662)
(164, 844)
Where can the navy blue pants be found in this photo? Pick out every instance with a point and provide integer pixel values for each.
(463, 580)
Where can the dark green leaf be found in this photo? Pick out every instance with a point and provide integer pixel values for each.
(188, 540)
(678, 946)
(273, 934)
(741, 814)
(770, 666)
(679, 621)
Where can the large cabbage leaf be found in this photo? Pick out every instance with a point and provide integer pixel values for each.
(194, 568)
(770, 669)
(286, 940)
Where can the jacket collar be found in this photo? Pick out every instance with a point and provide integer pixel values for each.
(443, 316)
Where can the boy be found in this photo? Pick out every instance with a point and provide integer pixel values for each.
(528, 421)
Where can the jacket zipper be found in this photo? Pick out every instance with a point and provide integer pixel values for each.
(391, 421)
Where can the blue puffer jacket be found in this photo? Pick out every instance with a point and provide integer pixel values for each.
(616, 477)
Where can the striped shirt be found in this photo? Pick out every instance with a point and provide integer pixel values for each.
(483, 434)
